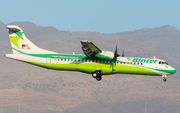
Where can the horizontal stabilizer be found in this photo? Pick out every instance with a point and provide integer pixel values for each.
(13, 28)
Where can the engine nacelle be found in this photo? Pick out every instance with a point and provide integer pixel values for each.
(105, 55)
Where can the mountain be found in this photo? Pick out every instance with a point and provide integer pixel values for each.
(28, 88)
(65, 41)
(165, 37)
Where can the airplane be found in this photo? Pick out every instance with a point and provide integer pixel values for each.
(95, 61)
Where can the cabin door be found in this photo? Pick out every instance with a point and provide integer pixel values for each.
(48, 61)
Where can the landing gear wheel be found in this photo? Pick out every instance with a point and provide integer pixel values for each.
(94, 75)
(164, 79)
(97, 74)
(99, 78)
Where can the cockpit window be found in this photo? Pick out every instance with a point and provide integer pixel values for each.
(161, 62)
(166, 63)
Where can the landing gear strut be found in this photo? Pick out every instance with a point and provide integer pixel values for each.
(97, 74)
(164, 78)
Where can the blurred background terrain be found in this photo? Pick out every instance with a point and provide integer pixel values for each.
(31, 89)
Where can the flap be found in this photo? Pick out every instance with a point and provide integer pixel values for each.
(89, 48)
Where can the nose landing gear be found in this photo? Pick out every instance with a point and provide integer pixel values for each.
(164, 78)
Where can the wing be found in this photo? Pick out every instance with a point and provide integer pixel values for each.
(89, 48)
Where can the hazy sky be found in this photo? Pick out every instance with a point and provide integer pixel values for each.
(105, 16)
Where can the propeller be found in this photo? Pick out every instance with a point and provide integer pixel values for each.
(115, 55)
(123, 53)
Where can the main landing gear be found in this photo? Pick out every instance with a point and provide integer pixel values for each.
(164, 78)
(97, 74)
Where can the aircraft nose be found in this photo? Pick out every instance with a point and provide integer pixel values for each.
(173, 70)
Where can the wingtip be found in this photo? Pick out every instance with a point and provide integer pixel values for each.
(85, 41)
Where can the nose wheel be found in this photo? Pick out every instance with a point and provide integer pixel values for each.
(164, 78)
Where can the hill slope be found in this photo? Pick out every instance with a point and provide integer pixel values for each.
(38, 90)
(165, 37)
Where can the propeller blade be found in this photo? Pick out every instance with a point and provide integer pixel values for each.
(115, 55)
(123, 53)
(116, 49)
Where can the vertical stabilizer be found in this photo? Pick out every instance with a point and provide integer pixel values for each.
(20, 43)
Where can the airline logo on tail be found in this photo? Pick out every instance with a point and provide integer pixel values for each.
(14, 40)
